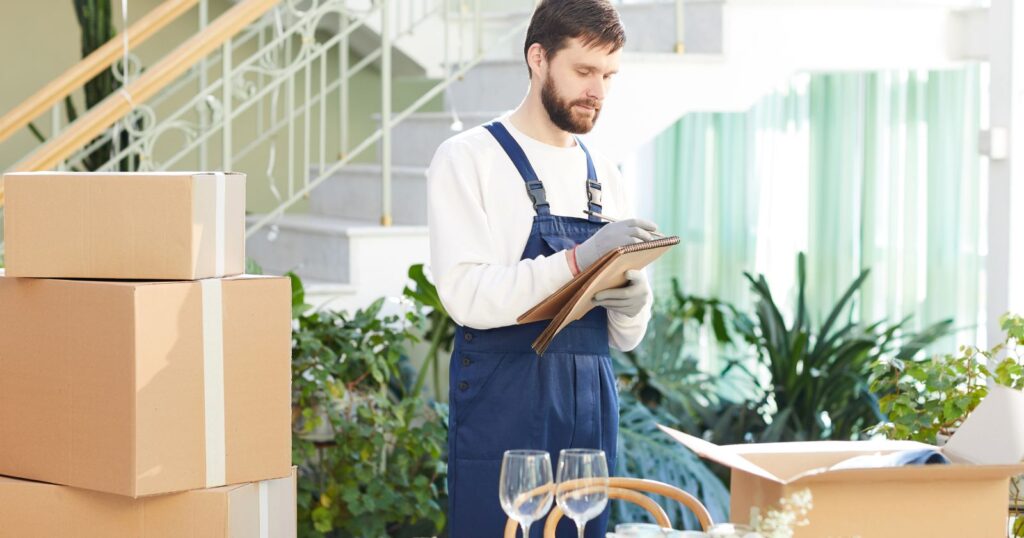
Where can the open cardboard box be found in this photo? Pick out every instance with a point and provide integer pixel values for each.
(968, 498)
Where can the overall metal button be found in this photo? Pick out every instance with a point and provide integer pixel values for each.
(468, 337)
(466, 361)
(463, 385)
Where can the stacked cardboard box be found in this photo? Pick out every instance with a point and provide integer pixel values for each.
(145, 383)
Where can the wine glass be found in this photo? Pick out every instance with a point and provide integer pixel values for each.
(582, 491)
(525, 487)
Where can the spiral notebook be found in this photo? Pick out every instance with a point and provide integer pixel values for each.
(573, 300)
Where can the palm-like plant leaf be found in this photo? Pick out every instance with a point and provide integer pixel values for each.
(645, 451)
(819, 380)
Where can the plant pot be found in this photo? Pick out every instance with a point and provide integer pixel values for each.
(322, 433)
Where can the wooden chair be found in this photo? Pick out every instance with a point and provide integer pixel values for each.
(630, 490)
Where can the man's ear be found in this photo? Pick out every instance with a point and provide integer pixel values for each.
(536, 59)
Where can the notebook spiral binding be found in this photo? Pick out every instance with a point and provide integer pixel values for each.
(637, 247)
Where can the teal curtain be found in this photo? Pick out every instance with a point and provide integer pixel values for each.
(859, 170)
(710, 172)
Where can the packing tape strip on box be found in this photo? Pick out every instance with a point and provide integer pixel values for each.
(219, 224)
(273, 495)
(213, 382)
(213, 348)
(264, 509)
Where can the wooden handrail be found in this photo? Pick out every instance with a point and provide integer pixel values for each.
(117, 105)
(99, 60)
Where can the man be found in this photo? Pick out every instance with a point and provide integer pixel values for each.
(508, 227)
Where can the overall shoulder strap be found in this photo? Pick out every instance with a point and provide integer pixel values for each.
(534, 188)
(593, 185)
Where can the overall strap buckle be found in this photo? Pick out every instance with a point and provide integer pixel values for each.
(594, 192)
(539, 197)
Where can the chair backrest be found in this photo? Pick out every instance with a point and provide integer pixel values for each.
(666, 490)
(645, 502)
(627, 489)
(634, 497)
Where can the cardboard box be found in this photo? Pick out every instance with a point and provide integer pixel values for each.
(256, 510)
(141, 388)
(968, 498)
(144, 225)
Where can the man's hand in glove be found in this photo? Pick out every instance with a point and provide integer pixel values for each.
(613, 235)
(629, 299)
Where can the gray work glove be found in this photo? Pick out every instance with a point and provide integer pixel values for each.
(629, 299)
(612, 235)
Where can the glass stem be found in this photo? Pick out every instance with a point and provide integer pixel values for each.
(525, 525)
(580, 525)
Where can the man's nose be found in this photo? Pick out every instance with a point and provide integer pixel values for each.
(597, 89)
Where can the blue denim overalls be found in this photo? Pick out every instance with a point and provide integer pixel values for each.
(503, 396)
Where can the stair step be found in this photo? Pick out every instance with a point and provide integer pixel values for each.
(357, 260)
(354, 193)
(650, 28)
(324, 295)
(491, 85)
(313, 248)
(415, 140)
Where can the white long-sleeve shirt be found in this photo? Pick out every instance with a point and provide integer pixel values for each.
(480, 218)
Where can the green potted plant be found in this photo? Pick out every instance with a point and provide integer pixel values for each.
(369, 450)
(927, 400)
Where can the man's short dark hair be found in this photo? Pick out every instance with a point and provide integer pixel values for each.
(555, 22)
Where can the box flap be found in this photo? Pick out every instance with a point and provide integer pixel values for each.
(790, 460)
(215, 173)
(810, 461)
(911, 473)
(992, 433)
(853, 448)
(141, 283)
(721, 454)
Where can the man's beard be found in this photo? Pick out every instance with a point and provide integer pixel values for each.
(561, 112)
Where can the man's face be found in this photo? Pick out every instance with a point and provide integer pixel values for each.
(575, 83)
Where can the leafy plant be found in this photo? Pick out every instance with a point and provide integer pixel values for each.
(925, 398)
(438, 326)
(781, 381)
(813, 383)
(369, 450)
(645, 451)
(660, 383)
